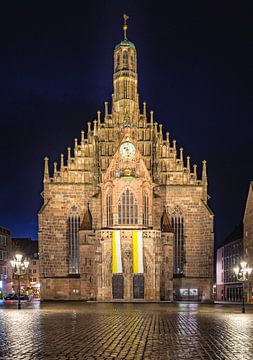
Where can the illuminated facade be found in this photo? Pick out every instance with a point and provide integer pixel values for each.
(229, 255)
(248, 241)
(124, 217)
(5, 266)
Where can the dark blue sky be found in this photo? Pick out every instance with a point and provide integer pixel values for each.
(195, 62)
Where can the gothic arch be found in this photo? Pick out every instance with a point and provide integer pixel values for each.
(178, 225)
(73, 225)
(125, 59)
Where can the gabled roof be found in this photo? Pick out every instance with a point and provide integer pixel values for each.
(250, 194)
(236, 234)
(165, 222)
(87, 221)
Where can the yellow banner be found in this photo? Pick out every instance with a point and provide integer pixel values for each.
(116, 253)
(137, 252)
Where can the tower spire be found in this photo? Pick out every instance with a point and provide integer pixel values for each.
(125, 80)
(125, 17)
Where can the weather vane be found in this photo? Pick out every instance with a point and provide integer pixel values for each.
(125, 17)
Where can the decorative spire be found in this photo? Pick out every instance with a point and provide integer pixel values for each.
(188, 164)
(46, 171)
(89, 123)
(204, 176)
(174, 144)
(106, 109)
(144, 110)
(181, 154)
(95, 127)
(204, 181)
(151, 117)
(125, 17)
(82, 137)
(62, 161)
(69, 153)
(98, 113)
(168, 138)
(55, 169)
(155, 128)
(161, 129)
(195, 170)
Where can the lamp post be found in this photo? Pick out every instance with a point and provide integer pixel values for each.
(19, 267)
(242, 273)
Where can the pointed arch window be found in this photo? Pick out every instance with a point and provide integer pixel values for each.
(177, 222)
(127, 208)
(118, 62)
(109, 216)
(145, 209)
(125, 59)
(73, 241)
(132, 62)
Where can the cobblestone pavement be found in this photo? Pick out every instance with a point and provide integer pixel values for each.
(69, 331)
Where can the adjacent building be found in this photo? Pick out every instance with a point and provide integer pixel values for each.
(248, 240)
(229, 255)
(125, 216)
(5, 266)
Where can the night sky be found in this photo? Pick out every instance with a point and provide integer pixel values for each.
(195, 62)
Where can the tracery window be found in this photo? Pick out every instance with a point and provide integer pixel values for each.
(177, 222)
(73, 240)
(145, 209)
(109, 216)
(127, 208)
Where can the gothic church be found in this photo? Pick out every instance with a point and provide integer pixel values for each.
(125, 217)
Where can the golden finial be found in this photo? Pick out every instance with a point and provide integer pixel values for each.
(125, 17)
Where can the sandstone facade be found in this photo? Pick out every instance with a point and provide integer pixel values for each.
(126, 176)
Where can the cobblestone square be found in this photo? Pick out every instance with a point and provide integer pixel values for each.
(62, 331)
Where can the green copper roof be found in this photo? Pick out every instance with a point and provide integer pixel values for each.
(125, 43)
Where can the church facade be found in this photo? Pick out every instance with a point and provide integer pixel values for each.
(125, 216)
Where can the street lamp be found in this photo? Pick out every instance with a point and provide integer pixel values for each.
(242, 273)
(19, 269)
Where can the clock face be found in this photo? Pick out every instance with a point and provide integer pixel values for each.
(127, 150)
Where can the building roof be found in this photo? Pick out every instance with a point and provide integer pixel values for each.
(125, 43)
(236, 234)
(26, 246)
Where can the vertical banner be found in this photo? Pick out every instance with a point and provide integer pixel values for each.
(137, 252)
(116, 253)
